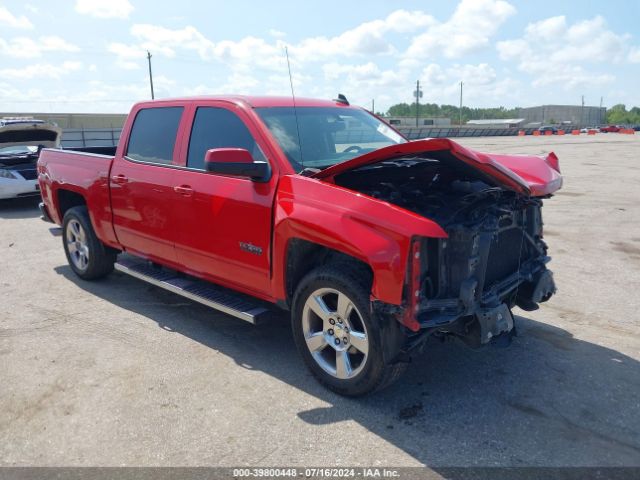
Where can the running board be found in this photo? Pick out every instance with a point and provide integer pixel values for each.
(227, 301)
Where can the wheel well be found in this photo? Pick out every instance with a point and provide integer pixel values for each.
(68, 199)
(304, 256)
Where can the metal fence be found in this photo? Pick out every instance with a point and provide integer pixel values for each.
(90, 137)
(413, 133)
(108, 137)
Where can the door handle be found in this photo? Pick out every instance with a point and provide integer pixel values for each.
(184, 190)
(119, 179)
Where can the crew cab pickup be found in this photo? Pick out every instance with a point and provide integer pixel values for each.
(254, 205)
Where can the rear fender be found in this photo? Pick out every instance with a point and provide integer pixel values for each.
(84, 174)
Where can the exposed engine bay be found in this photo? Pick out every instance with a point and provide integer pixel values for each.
(494, 257)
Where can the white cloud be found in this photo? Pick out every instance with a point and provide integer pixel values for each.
(366, 39)
(367, 74)
(481, 74)
(469, 29)
(41, 70)
(433, 74)
(11, 20)
(127, 57)
(104, 8)
(25, 47)
(554, 52)
(165, 41)
(276, 33)
(634, 55)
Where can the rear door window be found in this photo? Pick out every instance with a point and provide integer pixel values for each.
(218, 128)
(153, 135)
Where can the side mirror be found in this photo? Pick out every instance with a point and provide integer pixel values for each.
(236, 162)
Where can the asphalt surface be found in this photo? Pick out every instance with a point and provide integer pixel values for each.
(116, 372)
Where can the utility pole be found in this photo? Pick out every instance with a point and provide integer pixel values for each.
(600, 114)
(460, 120)
(582, 112)
(417, 94)
(373, 106)
(150, 74)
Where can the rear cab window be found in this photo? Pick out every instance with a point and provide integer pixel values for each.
(153, 135)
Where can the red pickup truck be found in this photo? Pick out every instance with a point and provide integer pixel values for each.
(258, 204)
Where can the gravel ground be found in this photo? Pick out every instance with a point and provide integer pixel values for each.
(116, 372)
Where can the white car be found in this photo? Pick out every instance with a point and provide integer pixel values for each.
(21, 140)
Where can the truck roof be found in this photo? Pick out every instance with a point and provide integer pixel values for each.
(253, 101)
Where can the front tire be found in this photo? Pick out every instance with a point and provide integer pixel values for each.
(88, 257)
(337, 335)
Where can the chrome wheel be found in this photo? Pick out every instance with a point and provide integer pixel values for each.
(335, 333)
(77, 244)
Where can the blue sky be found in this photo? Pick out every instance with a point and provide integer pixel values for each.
(90, 55)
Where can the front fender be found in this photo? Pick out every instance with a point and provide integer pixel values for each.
(375, 232)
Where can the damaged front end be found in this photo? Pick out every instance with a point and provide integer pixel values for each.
(493, 259)
(470, 281)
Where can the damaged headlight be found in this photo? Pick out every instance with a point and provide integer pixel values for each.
(4, 173)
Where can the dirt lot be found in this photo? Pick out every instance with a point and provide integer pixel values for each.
(119, 373)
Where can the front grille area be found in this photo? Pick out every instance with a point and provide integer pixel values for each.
(504, 255)
(29, 173)
(489, 253)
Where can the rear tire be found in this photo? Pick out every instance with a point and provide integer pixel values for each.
(337, 335)
(88, 257)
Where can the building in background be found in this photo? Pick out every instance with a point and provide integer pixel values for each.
(497, 123)
(567, 114)
(422, 121)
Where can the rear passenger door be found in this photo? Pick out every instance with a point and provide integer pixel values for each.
(224, 232)
(142, 185)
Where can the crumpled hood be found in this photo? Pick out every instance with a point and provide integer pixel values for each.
(526, 174)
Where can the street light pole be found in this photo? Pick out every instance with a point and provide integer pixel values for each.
(417, 94)
(150, 74)
(460, 120)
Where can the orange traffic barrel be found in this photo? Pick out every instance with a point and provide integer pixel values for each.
(591, 132)
(560, 132)
(521, 133)
(536, 133)
(575, 132)
(548, 132)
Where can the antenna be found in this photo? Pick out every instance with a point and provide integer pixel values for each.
(295, 110)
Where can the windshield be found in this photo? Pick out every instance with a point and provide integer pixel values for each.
(18, 150)
(328, 135)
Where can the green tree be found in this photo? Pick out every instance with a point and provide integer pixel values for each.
(451, 111)
(617, 114)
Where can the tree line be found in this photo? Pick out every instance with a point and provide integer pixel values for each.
(618, 114)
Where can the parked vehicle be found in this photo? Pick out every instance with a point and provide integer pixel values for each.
(589, 129)
(610, 129)
(372, 243)
(548, 128)
(20, 142)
